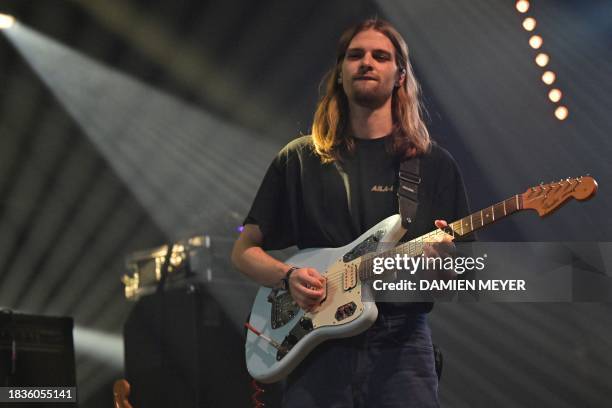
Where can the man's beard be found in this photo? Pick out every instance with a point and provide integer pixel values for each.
(371, 99)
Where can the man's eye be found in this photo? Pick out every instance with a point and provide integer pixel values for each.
(353, 56)
(382, 57)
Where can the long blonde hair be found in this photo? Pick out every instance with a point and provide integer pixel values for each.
(329, 128)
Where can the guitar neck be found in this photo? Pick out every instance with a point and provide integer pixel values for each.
(543, 198)
(459, 228)
(484, 217)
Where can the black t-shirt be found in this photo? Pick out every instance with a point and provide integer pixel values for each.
(309, 204)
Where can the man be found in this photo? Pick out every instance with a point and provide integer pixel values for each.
(325, 190)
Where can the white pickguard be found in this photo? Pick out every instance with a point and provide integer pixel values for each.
(261, 358)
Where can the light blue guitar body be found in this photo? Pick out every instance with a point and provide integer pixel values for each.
(341, 314)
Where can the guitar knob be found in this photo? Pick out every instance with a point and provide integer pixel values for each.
(306, 324)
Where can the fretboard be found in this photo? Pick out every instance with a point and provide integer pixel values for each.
(459, 228)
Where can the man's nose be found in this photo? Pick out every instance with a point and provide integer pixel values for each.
(366, 64)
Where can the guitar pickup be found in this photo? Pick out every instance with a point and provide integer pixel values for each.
(349, 276)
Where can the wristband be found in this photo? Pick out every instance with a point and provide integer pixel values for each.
(285, 280)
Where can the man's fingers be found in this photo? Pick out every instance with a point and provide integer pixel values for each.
(307, 288)
(446, 238)
(440, 223)
(430, 251)
(309, 281)
(442, 248)
(315, 294)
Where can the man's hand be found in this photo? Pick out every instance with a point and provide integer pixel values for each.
(443, 247)
(307, 287)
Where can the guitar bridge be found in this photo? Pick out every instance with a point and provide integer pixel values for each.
(302, 328)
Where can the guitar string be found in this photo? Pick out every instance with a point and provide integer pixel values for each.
(545, 195)
(424, 239)
(336, 278)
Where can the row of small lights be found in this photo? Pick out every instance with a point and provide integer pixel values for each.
(542, 59)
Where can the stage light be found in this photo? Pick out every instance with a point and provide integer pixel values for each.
(542, 59)
(109, 109)
(548, 77)
(555, 95)
(535, 41)
(6, 21)
(522, 6)
(529, 23)
(561, 113)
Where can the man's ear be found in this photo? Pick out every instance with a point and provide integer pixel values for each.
(401, 77)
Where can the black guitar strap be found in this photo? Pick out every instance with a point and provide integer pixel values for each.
(408, 190)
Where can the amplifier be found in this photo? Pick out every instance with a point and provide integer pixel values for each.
(36, 351)
(188, 258)
(196, 260)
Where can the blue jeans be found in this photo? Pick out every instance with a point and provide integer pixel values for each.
(390, 365)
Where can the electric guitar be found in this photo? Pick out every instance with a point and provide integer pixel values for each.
(281, 334)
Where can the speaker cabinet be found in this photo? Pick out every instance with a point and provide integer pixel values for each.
(181, 350)
(36, 351)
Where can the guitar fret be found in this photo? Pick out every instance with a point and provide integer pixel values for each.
(517, 203)
(456, 226)
(461, 227)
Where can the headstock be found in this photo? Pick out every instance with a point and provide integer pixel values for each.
(546, 198)
(121, 392)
